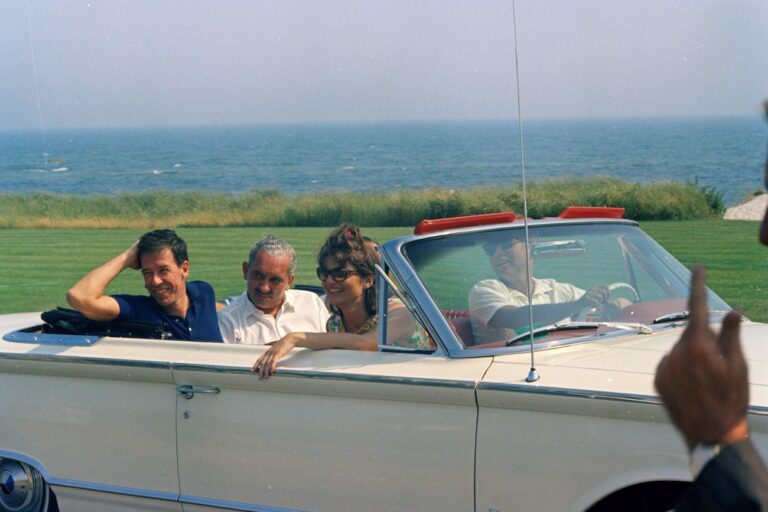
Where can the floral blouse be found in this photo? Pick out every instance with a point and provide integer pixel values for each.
(419, 339)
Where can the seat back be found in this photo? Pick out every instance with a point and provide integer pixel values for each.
(461, 324)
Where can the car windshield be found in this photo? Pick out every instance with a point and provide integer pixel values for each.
(477, 279)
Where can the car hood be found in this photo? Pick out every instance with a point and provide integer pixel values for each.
(623, 365)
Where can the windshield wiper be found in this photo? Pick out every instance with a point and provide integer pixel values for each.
(672, 317)
(682, 315)
(568, 326)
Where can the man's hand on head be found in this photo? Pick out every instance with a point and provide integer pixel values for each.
(132, 256)
(703, 380)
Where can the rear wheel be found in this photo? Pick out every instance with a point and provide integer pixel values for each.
(22, 488)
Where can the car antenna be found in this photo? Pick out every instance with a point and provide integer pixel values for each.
(533, 375)
(44, 152)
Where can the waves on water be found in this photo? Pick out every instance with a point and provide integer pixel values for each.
(726, 154)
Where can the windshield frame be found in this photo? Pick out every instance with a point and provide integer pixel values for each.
(405, 275)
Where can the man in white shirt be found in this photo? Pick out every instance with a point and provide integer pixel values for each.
(268, 309)
(498, 306)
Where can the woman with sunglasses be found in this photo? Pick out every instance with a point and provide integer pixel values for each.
(347, 272)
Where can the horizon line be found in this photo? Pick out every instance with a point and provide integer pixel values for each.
(374, 122)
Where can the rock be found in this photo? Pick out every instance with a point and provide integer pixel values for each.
(751, 210)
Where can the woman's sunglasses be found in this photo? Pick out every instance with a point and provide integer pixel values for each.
(338, 274)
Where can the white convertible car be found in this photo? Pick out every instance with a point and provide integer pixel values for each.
(104, 420)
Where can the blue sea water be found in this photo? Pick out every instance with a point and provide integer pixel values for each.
(724, 153)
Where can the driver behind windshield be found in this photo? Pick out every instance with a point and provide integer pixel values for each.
(498, 306)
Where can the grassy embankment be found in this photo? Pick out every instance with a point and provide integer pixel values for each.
(655, 201)
(38, 265)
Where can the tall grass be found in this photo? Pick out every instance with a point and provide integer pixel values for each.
(654, 201)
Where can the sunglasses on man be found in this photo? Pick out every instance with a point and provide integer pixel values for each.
(504, 245)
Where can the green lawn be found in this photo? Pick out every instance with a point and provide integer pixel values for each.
(38, 265)
(729, 250)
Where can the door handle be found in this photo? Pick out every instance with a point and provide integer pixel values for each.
(188, 391)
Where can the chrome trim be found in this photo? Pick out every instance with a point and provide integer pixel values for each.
(231, 505)
(426, 309)
(404, 350)
(441, 383)
(382, 309)
(585, 393)
(573, 393)
(40, 338)
(382, 282)
(114, 489)
(48, 358)
(384, 285)
(348, 377)
(5, 454)
(380, 379)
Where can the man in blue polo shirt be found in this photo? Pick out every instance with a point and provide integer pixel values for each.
(187, 309)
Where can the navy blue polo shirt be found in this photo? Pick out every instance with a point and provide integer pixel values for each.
(201, 323)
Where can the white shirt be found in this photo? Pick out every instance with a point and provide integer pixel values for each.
(242, 322)
(489, 295)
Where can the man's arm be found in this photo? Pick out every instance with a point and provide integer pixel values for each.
(511, 317)
(87, 295)
(266, 364)
(703, 384)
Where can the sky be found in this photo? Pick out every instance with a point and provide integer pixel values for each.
(110, 63)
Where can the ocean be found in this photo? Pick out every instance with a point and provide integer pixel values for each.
(724, 153)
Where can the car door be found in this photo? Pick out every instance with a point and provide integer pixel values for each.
(332, 431)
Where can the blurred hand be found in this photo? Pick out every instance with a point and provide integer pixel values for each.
(703, 380)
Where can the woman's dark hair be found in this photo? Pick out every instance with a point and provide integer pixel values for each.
(346, 245)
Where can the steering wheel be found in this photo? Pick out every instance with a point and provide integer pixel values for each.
(624, 286)
(592, 311)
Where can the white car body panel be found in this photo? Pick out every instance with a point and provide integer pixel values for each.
(250, 440)
(374, 416)
(605, 404)
(363, 422)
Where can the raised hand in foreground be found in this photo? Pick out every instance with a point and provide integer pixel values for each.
(703, 380)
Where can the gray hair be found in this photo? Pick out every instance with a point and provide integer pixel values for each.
(274, 246)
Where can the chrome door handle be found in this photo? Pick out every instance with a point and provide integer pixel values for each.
(188, 391)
